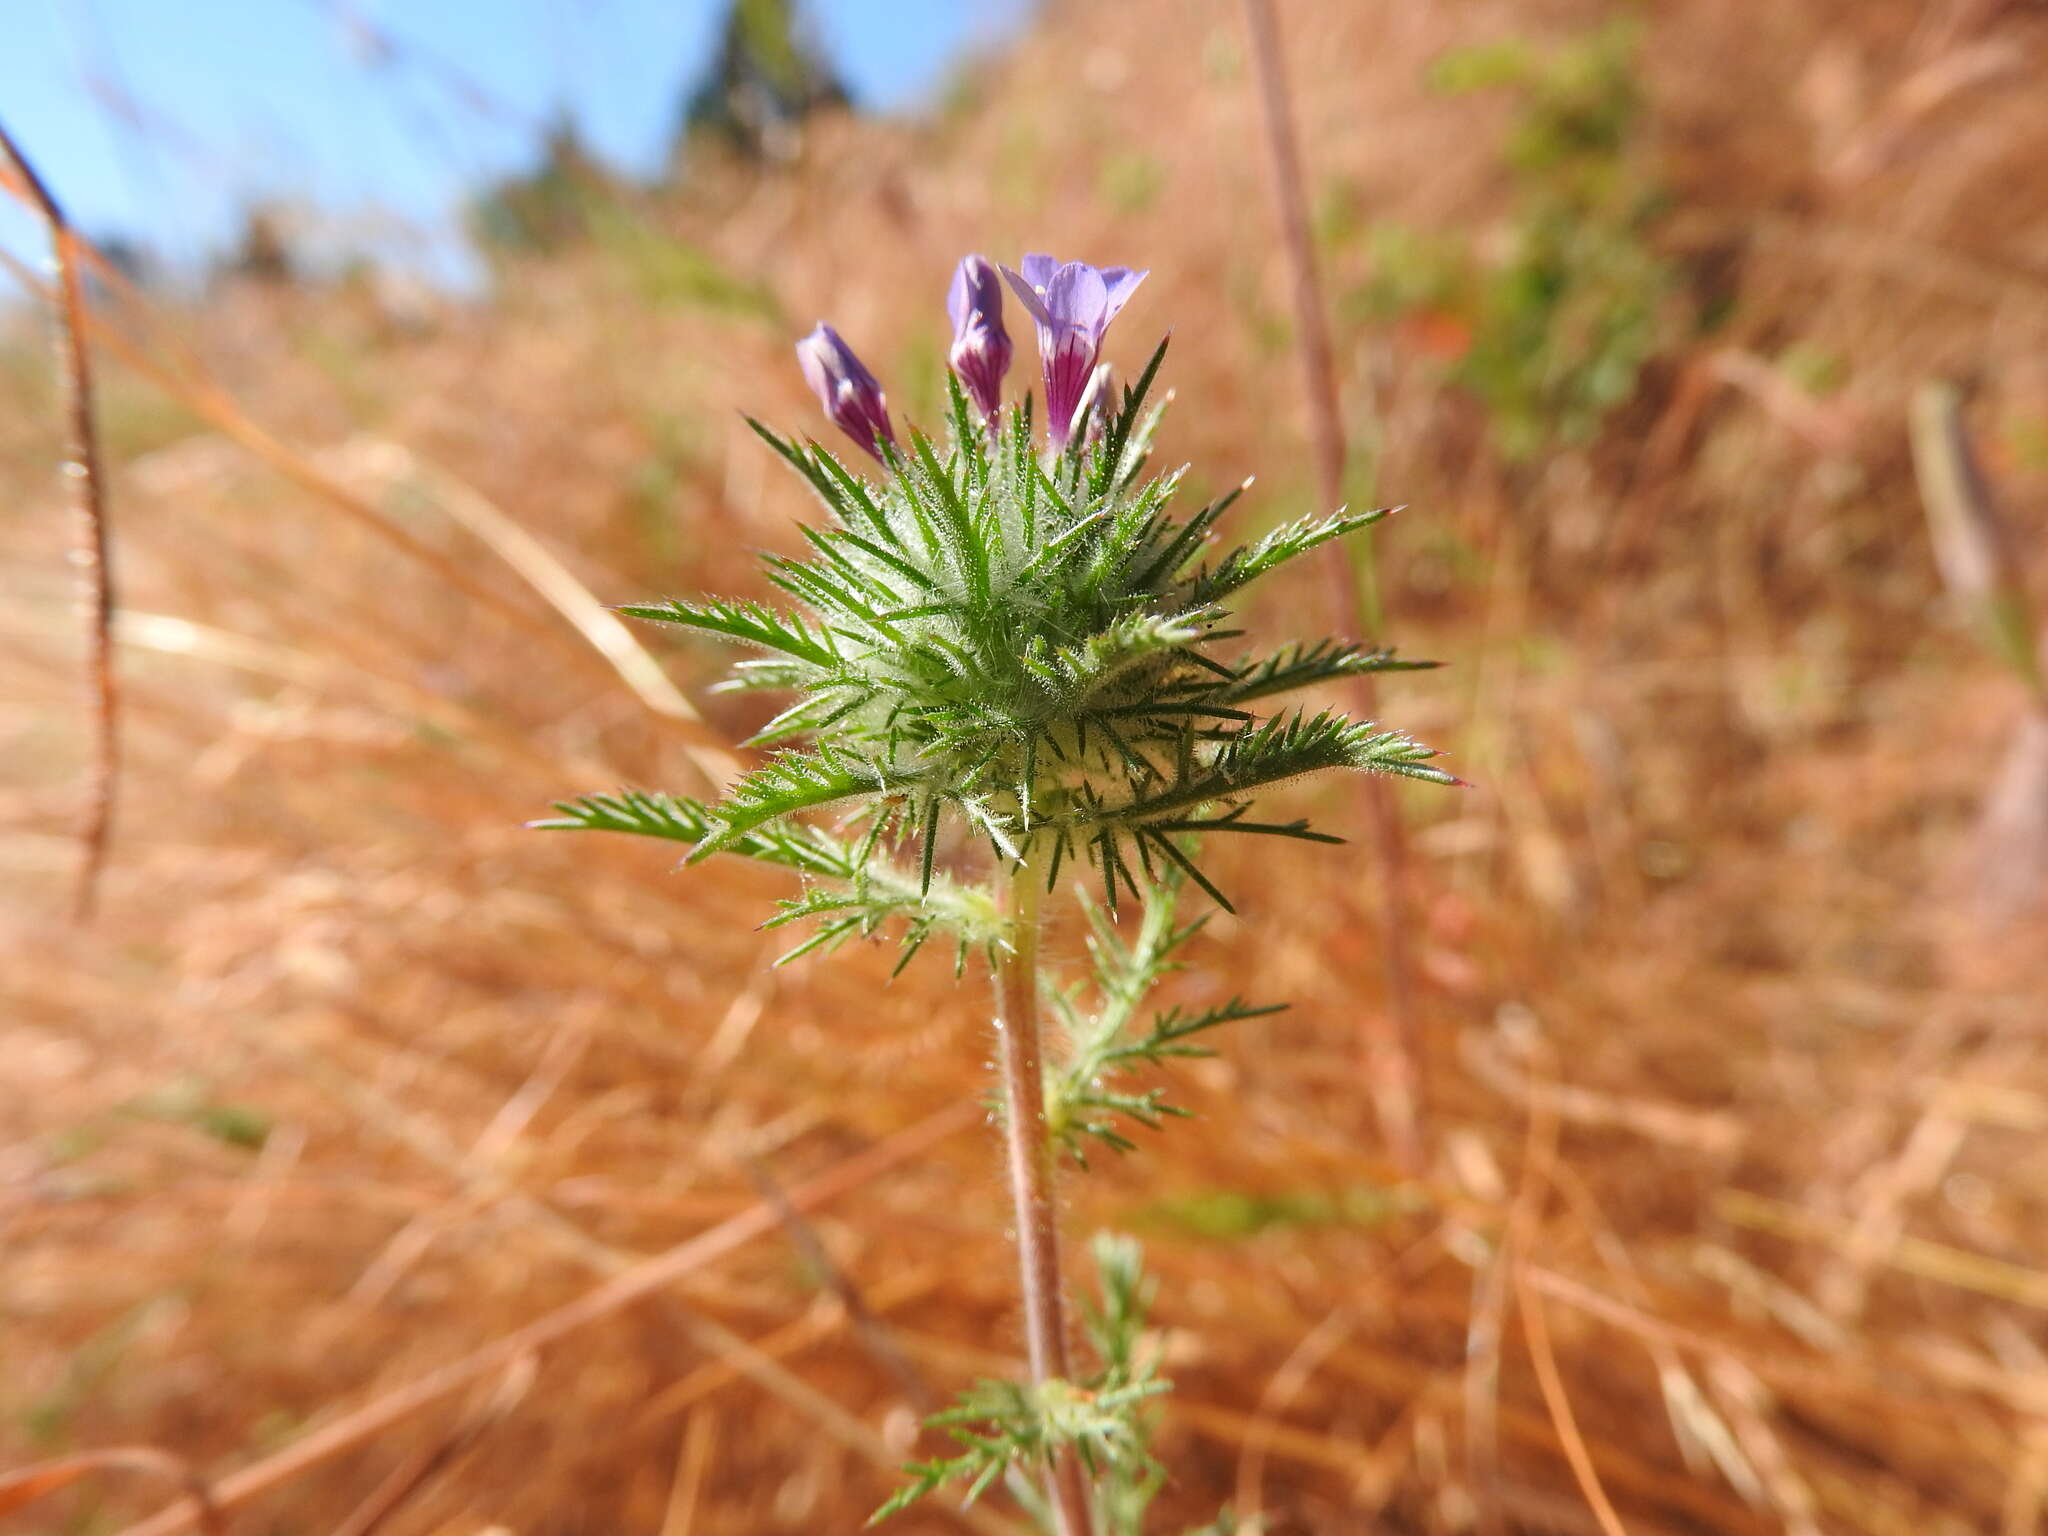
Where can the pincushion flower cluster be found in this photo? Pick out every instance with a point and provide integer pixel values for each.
(1071, 303)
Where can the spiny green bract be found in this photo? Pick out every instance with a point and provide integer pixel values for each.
(1030, 646)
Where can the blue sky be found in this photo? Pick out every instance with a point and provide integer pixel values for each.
(163, 118)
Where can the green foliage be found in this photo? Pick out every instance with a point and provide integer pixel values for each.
(1005, 1427)
(2026, 440)
(549, 207)
(850, 890)
(186, 1101)
(1028, 651)
(665, 271)
(571, 199)
(1116, 1329)
(1813, 368)
(765, 77)
(1232, 1215)
(136, 417)
(91, 1366)
(1084, 1098)
(1555, 332)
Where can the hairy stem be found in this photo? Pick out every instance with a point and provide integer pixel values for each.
(1030, 1157)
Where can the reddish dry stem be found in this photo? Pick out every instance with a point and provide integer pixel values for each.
(90, 550)
(1391, 1043)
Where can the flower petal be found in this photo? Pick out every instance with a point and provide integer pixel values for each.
(1121, 283)
(960, 299)
(815, 354)
(1027, 295)
(1076, 297)
(1038, 269)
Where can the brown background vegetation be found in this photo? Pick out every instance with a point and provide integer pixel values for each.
(355, 1076)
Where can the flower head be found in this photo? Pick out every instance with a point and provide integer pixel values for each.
(1073, 304)
(1036, 649)
(851, 395)
(981, 347)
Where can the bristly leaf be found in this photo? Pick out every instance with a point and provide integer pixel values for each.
(1241, 567)
(673, 817)
(1005, 1426)
(1084, 1095)
(793, 782)
(678, 819)
(1117, 465)
(853, 893)
(748, 622)
(802, 460)
(1303, 666)
(1283, 748)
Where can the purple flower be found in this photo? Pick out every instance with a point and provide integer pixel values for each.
(851, 395)
(1073, 304)
(981, 347)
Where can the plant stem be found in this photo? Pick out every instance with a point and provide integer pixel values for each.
(90, 552)
(1030, 1156)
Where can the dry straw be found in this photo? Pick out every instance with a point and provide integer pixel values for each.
(1692, 914)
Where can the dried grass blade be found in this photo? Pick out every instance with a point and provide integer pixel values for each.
(636, 1284)
(92, 543)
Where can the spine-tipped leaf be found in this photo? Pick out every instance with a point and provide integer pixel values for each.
(1242, 567)
(1303, 666)
(747, 622)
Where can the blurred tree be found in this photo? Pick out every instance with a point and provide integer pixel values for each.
(263, 251)
(130, 255)
(133, 259)
(766, 76)
(547, 207)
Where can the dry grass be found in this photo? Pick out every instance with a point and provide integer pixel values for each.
(1734, 1213)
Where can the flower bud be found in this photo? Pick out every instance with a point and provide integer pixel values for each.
(1098, 402)
(981, 347)
(851, 395)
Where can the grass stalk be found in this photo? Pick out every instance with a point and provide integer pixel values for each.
(91, 549)
(1391, 1044)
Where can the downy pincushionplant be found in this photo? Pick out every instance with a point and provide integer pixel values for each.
(1017, 640)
